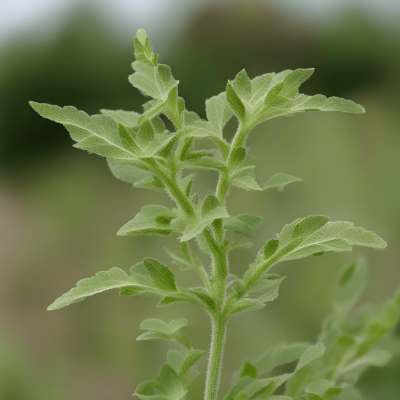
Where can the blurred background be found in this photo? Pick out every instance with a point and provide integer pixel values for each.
(60, 207)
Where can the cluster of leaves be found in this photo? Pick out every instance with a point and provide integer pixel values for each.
(350, 342)
(140, 150)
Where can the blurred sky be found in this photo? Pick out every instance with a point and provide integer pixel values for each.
(23, 16)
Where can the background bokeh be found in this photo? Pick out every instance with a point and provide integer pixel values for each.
(60, 208)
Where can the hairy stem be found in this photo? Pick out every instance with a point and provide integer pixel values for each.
(218, 338)
(173, 188)
(224, 183)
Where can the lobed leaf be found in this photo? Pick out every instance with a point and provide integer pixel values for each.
(152, 220)
(273, 95)
(148, 277)
(280, 181)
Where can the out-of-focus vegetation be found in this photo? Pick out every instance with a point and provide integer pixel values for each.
(61, 207)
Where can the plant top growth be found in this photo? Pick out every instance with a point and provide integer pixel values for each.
(140, 150)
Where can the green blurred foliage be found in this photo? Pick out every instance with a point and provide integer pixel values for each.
(61, 208)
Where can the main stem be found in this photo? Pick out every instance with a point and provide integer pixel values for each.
(218, 338)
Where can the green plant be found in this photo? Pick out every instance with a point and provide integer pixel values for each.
(141, 151)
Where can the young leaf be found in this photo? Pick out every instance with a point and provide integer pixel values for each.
(158, 329)
(280, 355)
(313, 234)
(128, 118)
(138, 177)
(270, 288)
(274, 95)
(310, 354)
(245, 224)
(350, 285)
(157, 279)
(190, 359)
(243, 176)
(210, 211)
(145, 223)
(97, 134)
(280, 181)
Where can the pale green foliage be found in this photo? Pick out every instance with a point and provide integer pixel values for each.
(141, 151)
(280, 181)
(348, 345)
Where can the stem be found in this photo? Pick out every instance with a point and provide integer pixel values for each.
(224, 183)
(218, 338)
(173, 188)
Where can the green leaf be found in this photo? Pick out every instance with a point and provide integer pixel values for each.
(264, 387)
(238, 387)
(156, 279)
(128, 118)
(270, 288)
(96, 134)
(324, 388)
(161, 275)
(270, 248)
(243, 176)
(280, 181)
(145, 223)
(184, 259)
(143, 49)
(138, 177)
(273, 95)
(235, 102)
(310, 354)
(281, 355)
(157, 82)
(304, 373)
(313, 234)
(351, 283)
(218, 113)
(210, 210)
(245, 224)
(375, 357)
(158, 329)
(190, 359)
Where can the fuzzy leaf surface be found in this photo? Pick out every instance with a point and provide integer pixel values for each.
(151, 278)
(280, 181)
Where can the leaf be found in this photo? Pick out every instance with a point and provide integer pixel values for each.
(210, 211)
(310, 354)
(156, 280)
(243, 176)
(156, 80)
(264, 387)
(128, 118)
(273, 95)
(239, 245)
(280, 181)
(380, 325)
(350, 285)
(245, 224)
(145, 223)
(281, 355)
(143, 49)
(324, 388)
(161, 275)
(158, 329)
(138, 177)
(270, 288)
(96, 134)
(313, 234)
(238, 387)
(304, 373)
(375, 357)
(218, 113)
(184, 259)
(190, 359)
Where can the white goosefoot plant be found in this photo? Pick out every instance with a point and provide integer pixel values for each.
(140, 150)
